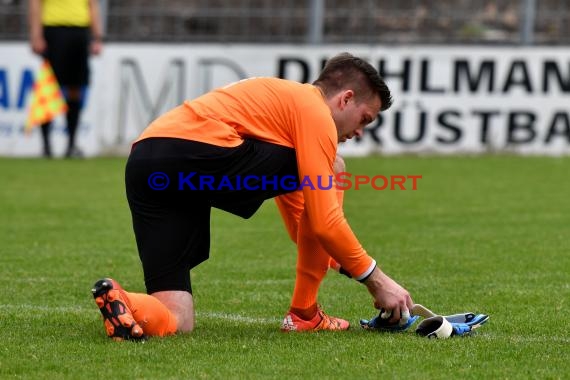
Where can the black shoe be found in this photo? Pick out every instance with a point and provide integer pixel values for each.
(47, 152)
(74, 152)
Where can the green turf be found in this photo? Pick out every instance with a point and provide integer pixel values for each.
(485, 234)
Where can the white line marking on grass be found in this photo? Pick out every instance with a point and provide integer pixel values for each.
(247, 282)
(237, 318)
(520, 339)
(44, 308)
(539, 339)
(79, 310)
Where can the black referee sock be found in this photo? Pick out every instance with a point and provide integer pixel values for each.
(73, 108)
(46, 127)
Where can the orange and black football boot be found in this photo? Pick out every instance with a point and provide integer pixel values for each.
(113, 304)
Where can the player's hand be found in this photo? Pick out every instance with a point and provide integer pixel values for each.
(38, 44)
(389, 295)
(96, 47)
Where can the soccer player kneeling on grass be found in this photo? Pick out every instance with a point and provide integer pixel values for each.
(197, 156)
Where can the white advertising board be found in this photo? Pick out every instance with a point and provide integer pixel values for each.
(448, 100)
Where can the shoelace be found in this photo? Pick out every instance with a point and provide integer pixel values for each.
(327, 321)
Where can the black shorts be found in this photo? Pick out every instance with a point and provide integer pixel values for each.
(171, 186)
(68, 53)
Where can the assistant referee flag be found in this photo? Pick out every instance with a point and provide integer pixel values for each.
(47, 99)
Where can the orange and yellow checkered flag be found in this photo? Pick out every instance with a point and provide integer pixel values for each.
(47, 101)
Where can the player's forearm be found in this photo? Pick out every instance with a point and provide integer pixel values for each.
(35, 19)
(342, 245)
(96, 22)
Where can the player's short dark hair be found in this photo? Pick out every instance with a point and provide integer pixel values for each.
(345, 71)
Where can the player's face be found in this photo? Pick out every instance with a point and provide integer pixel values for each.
(354, 116)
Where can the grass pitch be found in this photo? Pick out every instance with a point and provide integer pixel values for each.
(483, 234)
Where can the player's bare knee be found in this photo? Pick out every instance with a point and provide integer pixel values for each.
(185, 326)
(181, 306)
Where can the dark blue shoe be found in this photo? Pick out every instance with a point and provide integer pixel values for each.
(451, 325)
(463, 324)
(381, 324)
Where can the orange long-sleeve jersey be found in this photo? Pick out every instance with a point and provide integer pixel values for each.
(281, 112)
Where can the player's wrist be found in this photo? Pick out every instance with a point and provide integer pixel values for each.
(365, 278)
(366, 275)
(375, 281)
